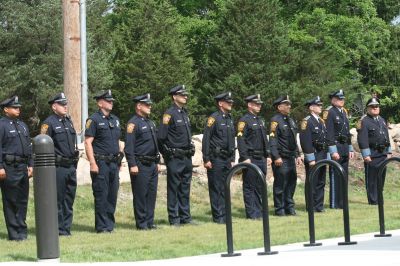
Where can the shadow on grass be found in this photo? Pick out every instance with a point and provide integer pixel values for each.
(21, 258)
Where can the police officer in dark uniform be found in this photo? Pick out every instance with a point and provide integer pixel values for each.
(60, 128)
(15, 168)
(285, 155)
(373, 139)
(174, 136)
(339, 142)
(315, 148)
(218, 148)
(102, 134)
(253, 148)
(141, 150)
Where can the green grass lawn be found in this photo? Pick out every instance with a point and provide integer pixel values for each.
(128, 244)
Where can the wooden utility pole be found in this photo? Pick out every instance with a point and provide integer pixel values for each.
(72, 66)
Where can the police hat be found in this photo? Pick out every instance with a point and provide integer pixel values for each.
(315, 101)
(145, 98)
(254, 98)
(226, 97)
(178, 90)
(280, 100)
(106, 95)
(59, 98)
(11, 102)
(373, 101)
(339, 94)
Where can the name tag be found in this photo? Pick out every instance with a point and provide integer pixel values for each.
(178, 121)
(144, 127)
(12, 131)
(101, 124)
(58, 127)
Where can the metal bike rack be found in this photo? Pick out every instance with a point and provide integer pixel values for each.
(229, 234)
(310, 202)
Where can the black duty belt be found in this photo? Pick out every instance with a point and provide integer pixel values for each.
(14, 159)
(256, 154)
(224, 154)
(148, 159)
(380, 147)
(321, 146)
(65, 161)
(112, 158)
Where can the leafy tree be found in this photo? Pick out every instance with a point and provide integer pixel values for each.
(31, 54)
(150, 55)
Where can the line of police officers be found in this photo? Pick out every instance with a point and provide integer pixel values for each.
(320, 138)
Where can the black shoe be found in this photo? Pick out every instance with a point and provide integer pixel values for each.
(142, 228)
(175, 224)
(291, 212)
(280, 213)
(152, 227)
(219, 221)
(319, 210)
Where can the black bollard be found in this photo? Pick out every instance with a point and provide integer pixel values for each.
(45, 193)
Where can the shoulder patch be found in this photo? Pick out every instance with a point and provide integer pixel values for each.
(241, 126)
(325, 114)
(130, 128)
(166, 118)
(88, 123)
(210, 121)
(303, 125)
(274, 124)
(43, 128)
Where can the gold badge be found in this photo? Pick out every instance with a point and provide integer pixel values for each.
(166, 118)
(303, 125)
(272, 135)
(43, 129)
(130, 128)
(210, 121)
(241, 126)
(88, 122)
(359, 123)
(325, 114)
(273, 126)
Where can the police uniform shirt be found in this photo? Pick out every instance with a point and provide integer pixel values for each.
(251, 136)
(174, 130)
(371, 132)
(312, 131)
(282, 136)
(15, 140)
(140, 139)
(106, 132)
(219, 132)
(337, 123)
(62, 131)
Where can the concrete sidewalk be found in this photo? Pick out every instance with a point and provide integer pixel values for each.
(369, 250)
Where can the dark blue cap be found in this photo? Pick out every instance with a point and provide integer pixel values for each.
(59, 98)
(314, 101)
(11, 102)
(178, 90)
(106, 95)
(280, 100)
(373, 101)
(145, 98)
(226, 97)
(254, 98)
(339, 94)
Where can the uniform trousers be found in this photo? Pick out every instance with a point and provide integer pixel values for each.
(252, 189)
(15, 192)
(285, 178)
(105, 185)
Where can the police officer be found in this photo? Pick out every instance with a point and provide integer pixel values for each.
(102, 134)
(218, 148)
(253, 148)
(15, 168)
(285, 155)
(175, 136)
(373, 139)
(339, 142)
(315, 148)
(141, 150)
(60, 128)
